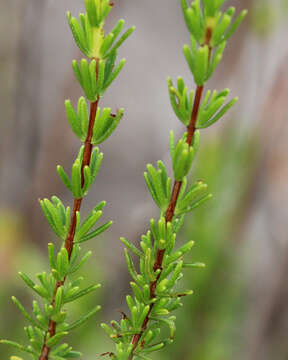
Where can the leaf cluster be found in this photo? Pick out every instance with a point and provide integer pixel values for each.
(50, 287)
(89, 33)
(209, 29)
(166, 298)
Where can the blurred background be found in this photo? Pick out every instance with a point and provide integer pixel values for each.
(240, 307)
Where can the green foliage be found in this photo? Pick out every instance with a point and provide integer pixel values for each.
(182, 155)
(212, 108)
(209, 28)
(89, 34)
(57, 216)
(160, 260)
(181, 102)
(96, 78)
(159, 185)
(48, 290)
(192, 198)
(105, 124)
(48, 324)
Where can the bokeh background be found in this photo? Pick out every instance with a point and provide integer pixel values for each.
(240, 306)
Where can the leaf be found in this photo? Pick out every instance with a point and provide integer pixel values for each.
(123, 38)
(90, 221)
(96, 232)
(113, 75)
(200, 68)
(236, 24)
(131, 247)
(81, 263)
(76, 180)
(73, 355)
(73, 119)
(64, 177)
(220, 114)
(19, 347)
(24, 312)
(56, 338)
(194, 265)
(92, 12)
(84, 319)
(82, 293)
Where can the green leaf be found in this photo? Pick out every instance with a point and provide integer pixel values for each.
(54, 340)
(58, 300)
(88, 224)
(131, 267)
(131, 247)
(123, 38)
(200, 69)
(81, 263)
(62, 263)
(219, 115)
(216, 58)
(87, 77)
(64, 177)
(113, 75)
(76, 179)
(73, 355)
(84, 319)
(99, 78)
(96, 232)
(109, 65)
(181, 103)
(148, 260)
(88, 180)
(105, 124)
(179, 253)
(92, 12)
(182, 157)
(19, 347)
(82, 293)
(78, 34)
(194, 265)
(24, 312)
(27, 280)
(236, 24)
(73, 119)
(159, 185)
(195, 22)
(153, 348)
(192, 196)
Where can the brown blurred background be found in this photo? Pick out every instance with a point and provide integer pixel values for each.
(240, 306)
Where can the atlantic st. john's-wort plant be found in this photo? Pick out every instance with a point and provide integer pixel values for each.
(161, 265)
(48, 326)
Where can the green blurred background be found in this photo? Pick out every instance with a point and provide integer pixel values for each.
(240, 306)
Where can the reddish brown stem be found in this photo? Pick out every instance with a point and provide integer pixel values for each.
(71, 233)
(191, 128)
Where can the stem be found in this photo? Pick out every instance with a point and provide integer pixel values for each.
(86, 161)
(170, 212)
(76, 208)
